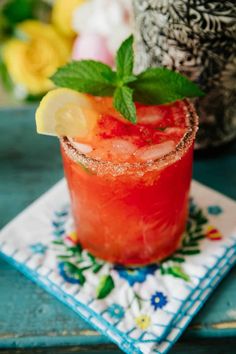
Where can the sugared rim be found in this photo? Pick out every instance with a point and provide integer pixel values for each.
(100, 167)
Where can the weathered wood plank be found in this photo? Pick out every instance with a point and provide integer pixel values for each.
(219, 346)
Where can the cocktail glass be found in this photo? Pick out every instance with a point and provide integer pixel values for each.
(131, 213)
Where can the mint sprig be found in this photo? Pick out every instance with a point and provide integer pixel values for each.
(152, 86)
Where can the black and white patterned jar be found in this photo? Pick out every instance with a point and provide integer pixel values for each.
(197, 38)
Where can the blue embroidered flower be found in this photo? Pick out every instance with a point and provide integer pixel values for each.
(135, 275)
(39, 248)
(116, 311)
(214, 210)
(158, 300)
(68, 274)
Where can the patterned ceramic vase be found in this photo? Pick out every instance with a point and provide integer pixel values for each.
(197, 38)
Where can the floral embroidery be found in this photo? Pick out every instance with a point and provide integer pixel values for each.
(158, 300)
(135, 275)
(213, 234)
(143, 322)
(142, 304)
(68, 272)
(116, 311)
(38, 248)
(214, 210)
(72, 236)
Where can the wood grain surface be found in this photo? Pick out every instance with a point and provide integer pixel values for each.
(29, 317)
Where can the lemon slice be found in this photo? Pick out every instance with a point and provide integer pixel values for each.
(64, 112)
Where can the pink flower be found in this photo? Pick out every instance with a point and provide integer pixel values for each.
(92, 46)
(111, 19)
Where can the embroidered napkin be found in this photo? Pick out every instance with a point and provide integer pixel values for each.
(143, 310)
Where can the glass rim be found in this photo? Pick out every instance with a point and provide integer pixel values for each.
(102, 167)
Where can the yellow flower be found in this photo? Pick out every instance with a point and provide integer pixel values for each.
(33, 58)
(143, 322)
(62, 14)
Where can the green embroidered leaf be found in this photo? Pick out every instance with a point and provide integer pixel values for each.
(189, 223)
(63, 257)
(177, 259)
(199, 237)
(92, 258)
(97, 267)
(81, 277)
(189, 252)
(200, 218)
(198, 229)
(202, 221)
(190, 243)
(162, 270)
(75, 272)
(105, 286)
(58, 242)
(85, 268)
(177, 272)
(75, 249)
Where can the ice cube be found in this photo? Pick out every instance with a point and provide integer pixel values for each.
(123, 146)
(118, 150)
(155, 151)
(150, 115)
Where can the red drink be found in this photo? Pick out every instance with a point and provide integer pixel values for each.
(129, 184)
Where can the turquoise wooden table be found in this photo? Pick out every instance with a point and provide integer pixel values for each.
(31, 321)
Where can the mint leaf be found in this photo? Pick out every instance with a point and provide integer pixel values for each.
(123, 103)
(87, 76)
(161, 85)
(125, 59)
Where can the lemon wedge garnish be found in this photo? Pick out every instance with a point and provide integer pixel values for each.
(65, 112)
